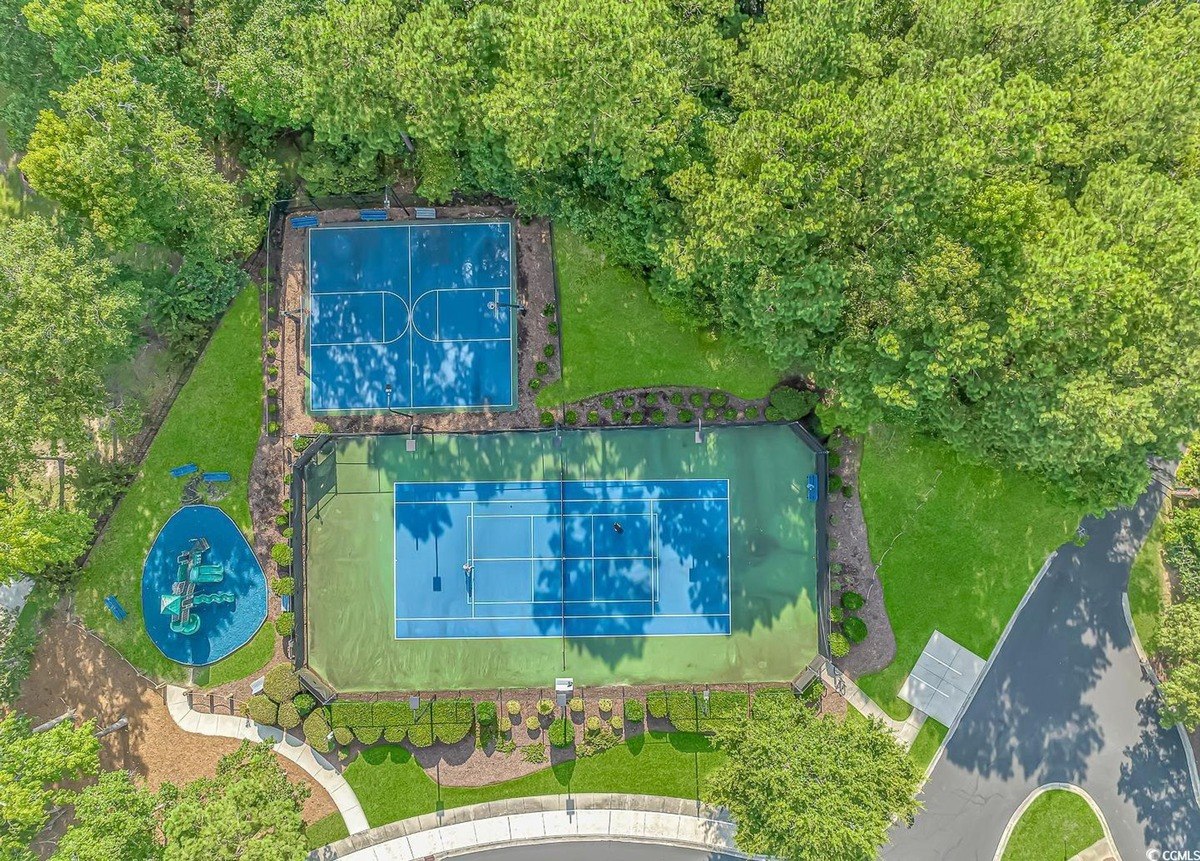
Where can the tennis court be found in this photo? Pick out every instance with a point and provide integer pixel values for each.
(411, 317)
(571, 558)
(613, 556)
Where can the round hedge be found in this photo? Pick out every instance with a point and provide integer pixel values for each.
(616, 723)
(562, 733)
(593, 724)
(513, 707)
(853, 601)
(288, 718)
(421, 734)
(532, 723)
(342, 735)
(285, 624)
(576, 705)
(394, 734)
(283, 585)
(545, 707)
(261, 709)
(839, 646)
(634, 711)
(367, 734)
(605, 705)
(304, 703)
(836, 614)
(316, 732)
(485, 713)
(855, 629)
(281, 683)
(504, 724)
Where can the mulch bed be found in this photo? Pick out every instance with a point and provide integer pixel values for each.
(849, 549)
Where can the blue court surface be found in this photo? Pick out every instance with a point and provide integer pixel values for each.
(411, 317)
(571, 558)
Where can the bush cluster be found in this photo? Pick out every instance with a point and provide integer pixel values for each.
(839, 646)
(656, 704)
(282, 554)
(793, 404)
(281, 683)
(561, 733)
(283, 585)
(855, 629)
(261, 709)
(634, 711)
(285, 624)
(853, 601)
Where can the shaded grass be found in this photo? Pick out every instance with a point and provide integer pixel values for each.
(326, 830)
(616, 337)
(214, 422)
(957, 543)
(1148, 595)
(1058, 825)
(929, 739)
(391, 785)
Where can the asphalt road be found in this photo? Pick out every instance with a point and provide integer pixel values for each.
(1067, 700)
(596, 851)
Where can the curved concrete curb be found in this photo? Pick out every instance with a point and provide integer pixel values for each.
(283, 744)
(543, 819)
(1046, 787)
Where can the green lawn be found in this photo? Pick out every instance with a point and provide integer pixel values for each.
(616, 337)
(929, 739)
(391, 785)
(214, 422)
(325, 831)
(1148, 596)
(957, 543)
(1058, 825)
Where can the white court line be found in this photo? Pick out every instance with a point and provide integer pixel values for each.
(382, 321)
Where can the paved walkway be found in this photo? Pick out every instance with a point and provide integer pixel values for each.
(284, 745)
(497, 826)
(1065, 700)
(904, 730)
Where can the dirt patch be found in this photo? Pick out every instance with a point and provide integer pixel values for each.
(71, 670)
(850, 566)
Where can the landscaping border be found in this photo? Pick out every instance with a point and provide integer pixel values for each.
(1034, 796)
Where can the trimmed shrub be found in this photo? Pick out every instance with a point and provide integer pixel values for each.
(391, 713)
(751, 413)
(261, 709)
(545, 707)
(651, 398)
(288, 532)
(571, 417)
(535, 384)
(696, 399)
(367, 734)
(839, 646)
(273, 336)
(855, 629)
(304, 703)
(532, 723)
(281, 683)
(562, 733)
(272, 392)
(288, 717)
(320, 428)
(616, 723)
(576, 705)
(283, 585)
(351, 713)
(593, 723)
(593, 417)
(710, 414)
(485, 713)
(513, 707)
(548, 311)
(504, 724)
(394, 734)
(342, 735)
(421, 733)
(725, 708)
(272, 371)
(847, 491)
(541, 368)
(282, 554)
(605, 705)
(636, 418)
(316, 732)
(658, 417)
(772, 415)
(548, 351)
(718, 399)
(628, 401)
(835, 483)
(853, 601)
(833, 460)
(272, 427)
(730, 415)
(683, 710)
(676, 398)
(453, 719)
(287, 505)
(282, 520)
(271, 354)
(794, 404)
(285, 624)
(686, 416)
(836, 614)
(547, 419)
(813, 692)
(635, 712)
(656, 704)
(608, 402)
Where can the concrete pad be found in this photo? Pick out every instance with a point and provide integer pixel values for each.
(942, 678)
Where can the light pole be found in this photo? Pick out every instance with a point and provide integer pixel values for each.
(411, 443)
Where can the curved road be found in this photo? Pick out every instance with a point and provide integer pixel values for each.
(1066, 700)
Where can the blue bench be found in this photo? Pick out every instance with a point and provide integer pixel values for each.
(186, 469)
(302, 221)
(813, 487)
(114, 607)
(216, 476)
(373, 215)
(424, 212)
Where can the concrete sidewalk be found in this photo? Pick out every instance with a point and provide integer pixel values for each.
(316, 765)
(642, 819)
(905, 731)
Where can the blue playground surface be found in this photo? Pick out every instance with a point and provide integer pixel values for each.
(412, 317)
(203, 592)
(562, 558)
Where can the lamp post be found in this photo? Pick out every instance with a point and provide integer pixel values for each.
(411, 443)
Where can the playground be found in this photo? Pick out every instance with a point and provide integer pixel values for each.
(203, 591)
(411, 316)
(622, 556)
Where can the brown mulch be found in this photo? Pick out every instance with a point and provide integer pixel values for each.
(848, 534)
(72, 670)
